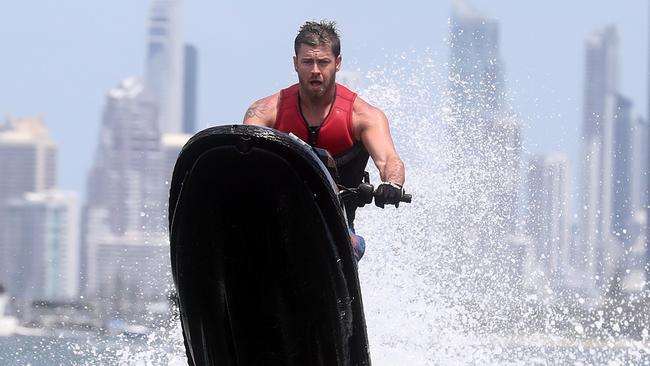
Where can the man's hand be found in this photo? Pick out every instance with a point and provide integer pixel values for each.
(388, 193)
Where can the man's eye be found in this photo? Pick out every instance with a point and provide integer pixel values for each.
(323, 62)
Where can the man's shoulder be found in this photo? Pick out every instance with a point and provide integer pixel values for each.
(366, 112)
(365, 117)
(270, 99)
(263, 111)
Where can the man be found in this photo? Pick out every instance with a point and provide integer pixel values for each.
(328, 115)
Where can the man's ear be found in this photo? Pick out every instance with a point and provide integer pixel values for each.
(338, 62)
(295, 63)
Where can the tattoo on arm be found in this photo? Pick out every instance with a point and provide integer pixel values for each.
(256, 110)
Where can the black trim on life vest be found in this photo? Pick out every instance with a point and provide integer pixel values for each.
(313, 131)
(313, 135)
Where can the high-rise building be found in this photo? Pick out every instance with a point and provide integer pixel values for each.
(164, 64)
(27, 157)
(637, 222)
(43, 230)
(475, 71)
(485, 132)
(547, 216)
(39, 229)
(125, 184)
(124, 178)
(142, 132)
(128, 187)
(28, 164)
(640, 163)
(190, 80)
(622, 167)
(601, 102)
(646, 260)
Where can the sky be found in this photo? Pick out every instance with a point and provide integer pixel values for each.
(58, 59)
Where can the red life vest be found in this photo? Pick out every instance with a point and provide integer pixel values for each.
(335, 133)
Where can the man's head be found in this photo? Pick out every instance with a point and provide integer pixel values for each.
(317, 58)
(315, 34)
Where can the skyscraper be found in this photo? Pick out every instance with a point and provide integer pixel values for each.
(475, 72)
(164, 64)
(125, 217)
(622, 168)
(190, 80)
(647, 181)
(27, 157)
(646, 152)
(126, 187)
(28, 164)
(43, 228)
(640, 163)
(547, 219)
(601, 250)
(125, 176)
(39, 229)
(485, 133)
(126, 210)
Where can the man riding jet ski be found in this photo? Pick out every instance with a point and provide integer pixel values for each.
(328, 115)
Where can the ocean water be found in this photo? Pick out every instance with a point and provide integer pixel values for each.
(92, 350)
(96, 350)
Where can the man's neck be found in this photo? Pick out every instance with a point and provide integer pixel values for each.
(315, 109)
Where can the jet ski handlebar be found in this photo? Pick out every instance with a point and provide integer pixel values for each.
(365, 193)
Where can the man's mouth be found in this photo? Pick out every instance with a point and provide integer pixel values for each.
(315, 83)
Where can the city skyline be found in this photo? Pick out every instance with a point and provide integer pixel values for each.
(510, 227)
(546, 88)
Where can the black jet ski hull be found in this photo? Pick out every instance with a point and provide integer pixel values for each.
(261, 254)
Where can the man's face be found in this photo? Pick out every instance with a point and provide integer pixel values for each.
(316, 68)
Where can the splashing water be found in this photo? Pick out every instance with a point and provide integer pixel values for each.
(442, 277)
(417, 276)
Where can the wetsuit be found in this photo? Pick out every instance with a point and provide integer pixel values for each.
(334, 135)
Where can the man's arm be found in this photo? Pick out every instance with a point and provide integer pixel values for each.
(262, 112)
(371, 126)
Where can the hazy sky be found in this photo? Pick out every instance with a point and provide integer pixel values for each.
(59, 58)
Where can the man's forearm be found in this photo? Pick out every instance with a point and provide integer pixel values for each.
(393, 172)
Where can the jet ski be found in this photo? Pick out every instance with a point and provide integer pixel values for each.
(260, 253)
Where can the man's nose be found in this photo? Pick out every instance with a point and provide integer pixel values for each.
(315, 69)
